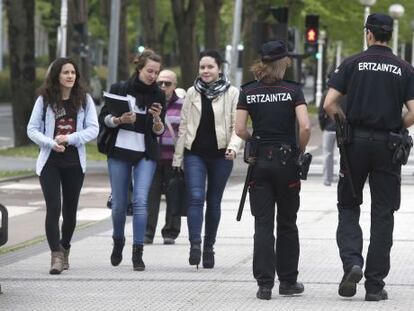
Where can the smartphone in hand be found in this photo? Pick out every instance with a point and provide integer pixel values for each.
(156, 106)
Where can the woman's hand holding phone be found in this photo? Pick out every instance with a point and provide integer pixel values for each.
(155, 111)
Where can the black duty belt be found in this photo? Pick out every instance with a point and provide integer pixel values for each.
(371, 134)
(281, 153)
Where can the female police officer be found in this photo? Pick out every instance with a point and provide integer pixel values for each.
(274, 105)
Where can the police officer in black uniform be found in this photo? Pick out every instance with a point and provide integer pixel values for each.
(377, 84)
(274, 105)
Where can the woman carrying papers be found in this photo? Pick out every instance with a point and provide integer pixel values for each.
(134, 151)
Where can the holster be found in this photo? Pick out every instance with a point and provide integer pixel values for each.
(343, 133)
(401, 143)
(304, 162)
(250, 150)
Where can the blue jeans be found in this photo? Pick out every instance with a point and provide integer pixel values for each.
(120, 174)
(197, 171)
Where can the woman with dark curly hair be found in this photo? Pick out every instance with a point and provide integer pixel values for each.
(63, 120)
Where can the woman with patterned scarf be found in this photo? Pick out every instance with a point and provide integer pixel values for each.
(206, 148)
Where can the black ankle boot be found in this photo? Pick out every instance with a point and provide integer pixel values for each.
(116, 256)
(208, 257)
(137, 257)
(195, 254)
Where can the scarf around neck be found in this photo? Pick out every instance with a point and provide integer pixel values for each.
(142, 92)
(213, 89)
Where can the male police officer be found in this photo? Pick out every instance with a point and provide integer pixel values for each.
(377, 83)
(274, 105)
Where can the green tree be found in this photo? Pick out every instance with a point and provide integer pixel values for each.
(22, 65)
(50, 17)
(77, 38)
(149, 24)
(212, 23)
(185, 21)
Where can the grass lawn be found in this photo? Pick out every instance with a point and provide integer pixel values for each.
(32, 150)
(7, 174)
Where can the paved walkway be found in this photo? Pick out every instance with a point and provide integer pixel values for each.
(169, 283)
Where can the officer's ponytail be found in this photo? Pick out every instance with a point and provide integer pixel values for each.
(270, 71)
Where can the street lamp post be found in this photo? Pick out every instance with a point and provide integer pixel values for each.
(62, 32)
(113, 43)
(396, 11)
(338, 53)
(412, 44)
(367, 5)
(235, 40)
(321, 42)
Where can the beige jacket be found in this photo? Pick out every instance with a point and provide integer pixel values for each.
(224, 109)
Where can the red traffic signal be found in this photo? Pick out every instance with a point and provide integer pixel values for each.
(311, 35)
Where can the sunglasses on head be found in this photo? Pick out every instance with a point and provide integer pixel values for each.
(166, 83)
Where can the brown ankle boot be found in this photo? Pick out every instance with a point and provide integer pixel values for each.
(56, 266)
(65, 257)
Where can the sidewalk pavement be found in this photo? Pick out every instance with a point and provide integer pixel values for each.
(169, 283)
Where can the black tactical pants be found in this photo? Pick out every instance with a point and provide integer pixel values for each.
(370, 159)
(273, 184)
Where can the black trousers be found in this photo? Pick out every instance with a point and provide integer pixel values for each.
(273, 184)
(54, 177)
(172, 227)
(370, 159)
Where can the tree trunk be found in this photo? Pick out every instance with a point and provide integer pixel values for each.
(249, 52)
(77, 37)
(212, 23)
(185, 20)
(149, 24)
(22, 65)
(123, 55)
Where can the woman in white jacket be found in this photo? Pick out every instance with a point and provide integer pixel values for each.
(62, 121)
(206, 147)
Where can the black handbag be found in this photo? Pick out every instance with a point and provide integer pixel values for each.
(176, 195)
(104, 138)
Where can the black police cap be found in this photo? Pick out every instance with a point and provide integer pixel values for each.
(274, 50)
(380, 21)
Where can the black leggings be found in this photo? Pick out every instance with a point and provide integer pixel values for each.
(70, 178)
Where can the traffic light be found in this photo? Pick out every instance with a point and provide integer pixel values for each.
(311, 33)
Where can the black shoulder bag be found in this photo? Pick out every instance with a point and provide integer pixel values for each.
(106, 134)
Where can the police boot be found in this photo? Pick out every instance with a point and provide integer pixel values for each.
(65, 257)
(208, 257)
(56, 265)
(287, 288)
(347, 287)
(116, 256)
(137, 261)
(195, 254)
(264, 293)
(381, 295)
